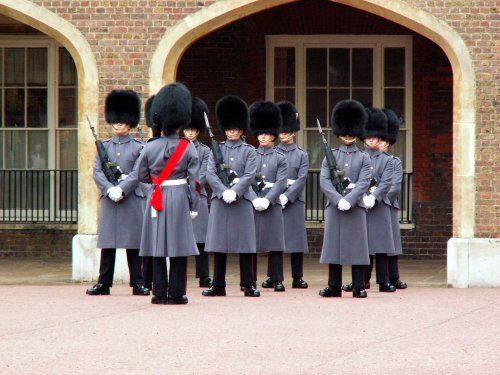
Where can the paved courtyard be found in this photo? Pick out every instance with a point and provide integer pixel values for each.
(49, 326)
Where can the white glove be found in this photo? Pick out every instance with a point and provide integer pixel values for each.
(123, 177)
(257, 204)
(229, 196)
(193, 214)
(115, 193)
(283, 200)
(344, 205)
(265, 203)
(369, 201)
(235, 181)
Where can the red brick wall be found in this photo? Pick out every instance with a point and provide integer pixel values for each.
(36, 243)
(242, 71)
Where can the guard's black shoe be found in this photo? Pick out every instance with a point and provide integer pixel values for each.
(242, 288)
(398, 284)
(268, 283)
(251, 291)
(331, 291)
(347, 287)
(367, 285)
(386, 288)
(140, 290)
(205, 282)
(98, 289)
(182, 300)
(159, 300)
(359, 293)
(279, 287)
(298, 283)
(149, 285)
(214, 291)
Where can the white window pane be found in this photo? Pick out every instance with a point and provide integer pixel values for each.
(68, 149)
(38, 149)
(15, 149)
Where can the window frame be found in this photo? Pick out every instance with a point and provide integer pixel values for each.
(377, 42)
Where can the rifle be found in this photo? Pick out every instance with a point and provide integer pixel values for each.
(258, 184)
(223, 169)
(111, 170)
(332, 164)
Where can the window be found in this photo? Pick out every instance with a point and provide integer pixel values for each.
(38, 127)
(316, 72)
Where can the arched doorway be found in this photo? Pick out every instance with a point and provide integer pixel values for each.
(178, 39)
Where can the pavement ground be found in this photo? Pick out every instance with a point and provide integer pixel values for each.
(49, 326)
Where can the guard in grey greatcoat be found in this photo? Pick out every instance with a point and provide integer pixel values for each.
(393, 125)
(292, 199)
(121, 206)
(378, 216)
(231, 226)
(168, 229)
(270, 183)
(200, 223)
(345, 238)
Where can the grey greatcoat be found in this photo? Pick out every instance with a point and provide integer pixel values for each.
(200, 223)
(231, 227)
(269, 223)
(120, 222)
(345, 238)
(393, 196)
(170, 233)
(380, 239)
(294, 211)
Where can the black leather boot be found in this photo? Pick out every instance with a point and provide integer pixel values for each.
(205, 282)
(251, 291)
(359, 293)
(98, 289)
(386, 288)
(159, 300)
(279, 287)
(298, 283)
(214, 291)
(331, 291)
(267, 284)
(140, 290)
(182, 300)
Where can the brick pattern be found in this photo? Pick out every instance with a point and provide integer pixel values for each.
(36, 243)
(124, 35)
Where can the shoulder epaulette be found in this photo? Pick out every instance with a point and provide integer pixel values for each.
(279, 151)
(138, 140)
(152, 139)
(203, 145)
(106, 140)
(248, 145)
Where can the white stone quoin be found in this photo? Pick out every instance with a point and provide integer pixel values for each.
(473, 262)
(86, 258)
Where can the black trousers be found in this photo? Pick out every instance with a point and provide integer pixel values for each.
(246, 269)
(173, 284)
(393, 265)
(275, 266)
(381, 269)
(107, 267)
(335, 276)
(297, 262)
(147, 269)
(201, 262)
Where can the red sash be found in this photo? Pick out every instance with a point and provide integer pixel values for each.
(157, 197)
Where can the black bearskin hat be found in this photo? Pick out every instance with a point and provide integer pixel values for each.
(232, 113)
(376, 126)
(393, 124)
(171, 107)
(197, 115)
(122, 106)
(290, 115)
(348, 118)
(265, 117)
(147, 111)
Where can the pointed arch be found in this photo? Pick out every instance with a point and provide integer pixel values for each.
(179, 37)
(70, 37)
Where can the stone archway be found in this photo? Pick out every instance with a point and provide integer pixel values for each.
(70, 37)
(178, 38)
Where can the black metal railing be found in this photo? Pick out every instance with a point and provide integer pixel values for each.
(315, 199)
(38, 196)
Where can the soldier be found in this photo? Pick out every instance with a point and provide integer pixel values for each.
(231, 226)
(121, 206)
(393, 195)
(378, 216)
(265, 122)
(170, 163)
(345, 238)
(292, 199)
(191, 132)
